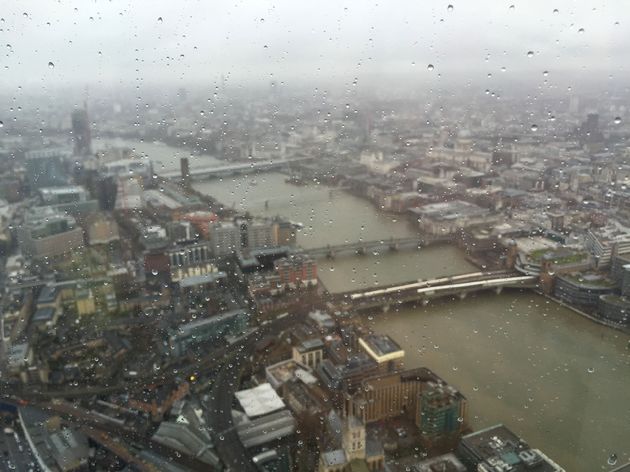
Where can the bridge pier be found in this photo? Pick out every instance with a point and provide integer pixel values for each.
(498, 290)
(386, 308)
(425, 301)
(462, 295)
(361, 251)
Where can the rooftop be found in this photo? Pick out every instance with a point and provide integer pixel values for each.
(310, 345)
(381, 347)
(260, 400)
(498, 448)
(44, 315)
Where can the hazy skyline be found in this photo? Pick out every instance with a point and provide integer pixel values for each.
(165, 42)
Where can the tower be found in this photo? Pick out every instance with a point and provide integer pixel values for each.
(185, 171)
(353, 439)
(81, 132)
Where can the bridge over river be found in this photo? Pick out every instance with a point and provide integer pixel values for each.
(205, 173)
(377, 246)
(421, 291)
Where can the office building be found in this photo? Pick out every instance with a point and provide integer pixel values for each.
(48, 233)
(81, 134)
(71, 199)
(498, 448)
(309, 352)
(45, 168)
(449, 217)
(441, 413)
(225, 238)
(582, 289)
(214, 328)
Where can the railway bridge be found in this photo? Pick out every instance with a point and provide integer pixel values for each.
(422, 291)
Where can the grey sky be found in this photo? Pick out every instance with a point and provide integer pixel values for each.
(198, 41)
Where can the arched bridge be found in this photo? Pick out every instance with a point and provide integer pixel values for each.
(424, 290)
(378, 246)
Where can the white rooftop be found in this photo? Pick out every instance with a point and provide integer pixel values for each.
(260, 400)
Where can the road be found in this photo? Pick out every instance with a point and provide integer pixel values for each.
(227, 382)
(16, 453)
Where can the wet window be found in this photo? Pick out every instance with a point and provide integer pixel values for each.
(314, 236)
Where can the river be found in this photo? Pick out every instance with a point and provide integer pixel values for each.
(559, 380)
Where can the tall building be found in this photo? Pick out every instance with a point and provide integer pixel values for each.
(185, 171)
(441, 412)
(81, 132)
(225, 238)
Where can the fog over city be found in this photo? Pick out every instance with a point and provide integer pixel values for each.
(488, 43)
(331, 236)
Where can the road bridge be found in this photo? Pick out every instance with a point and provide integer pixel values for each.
(422, 291)
(205, 173)
(378, 246)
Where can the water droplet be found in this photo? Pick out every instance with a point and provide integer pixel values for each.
(590, 370)
(545, 73)
(530, 53)
(612, 459)
(617, 120)
(475, 389)
(154, 272)
(160, 19)
(511, 7)
(25, 15)
(534, 127)
(556, 11)
(430, 67)
(581, 30)
(450, 8)
(51, 65)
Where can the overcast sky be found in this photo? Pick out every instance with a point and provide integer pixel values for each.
(109, 42)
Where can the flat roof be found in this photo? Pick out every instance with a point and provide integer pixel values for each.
(310, 345)
(381, 347)
(44, 314)
(47, 294)
(62, 189)
(260, 400)
(201, 279)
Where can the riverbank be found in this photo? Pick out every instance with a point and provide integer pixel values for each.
(600, 321)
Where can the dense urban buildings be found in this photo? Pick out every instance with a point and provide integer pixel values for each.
(300, 251)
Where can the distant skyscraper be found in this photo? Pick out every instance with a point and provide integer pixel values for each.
(185, 171)
(81, 132)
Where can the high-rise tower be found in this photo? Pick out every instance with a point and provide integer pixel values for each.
(81, 132)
